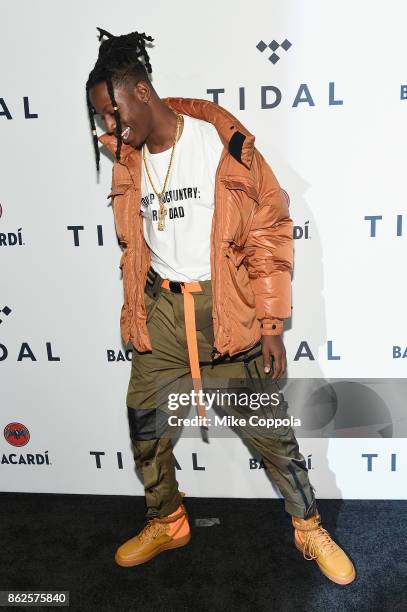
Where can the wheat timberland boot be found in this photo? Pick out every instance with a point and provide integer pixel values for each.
(158, 534)
(316, 544)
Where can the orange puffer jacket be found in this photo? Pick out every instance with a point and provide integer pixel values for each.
(251, 237)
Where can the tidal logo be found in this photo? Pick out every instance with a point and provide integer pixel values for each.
(373, 220)
(5, 111)
(119, 355)
(119, 461)
(301, 231)
(6, 311)
(271, 96)
(273, 46)
(304, 352)
(392, 461)
(25, 352)
(75, 229)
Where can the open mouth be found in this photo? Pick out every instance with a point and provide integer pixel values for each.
(125, 134)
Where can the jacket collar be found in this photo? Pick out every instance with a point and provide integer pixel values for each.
(234, 136)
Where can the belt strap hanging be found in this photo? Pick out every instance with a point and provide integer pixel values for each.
(192, 343)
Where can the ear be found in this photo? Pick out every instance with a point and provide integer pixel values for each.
(143, 92)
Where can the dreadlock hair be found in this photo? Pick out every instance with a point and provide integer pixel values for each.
(118, 63)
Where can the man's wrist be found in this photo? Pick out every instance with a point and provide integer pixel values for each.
(271, 327)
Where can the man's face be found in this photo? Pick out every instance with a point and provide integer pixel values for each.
(135, 114)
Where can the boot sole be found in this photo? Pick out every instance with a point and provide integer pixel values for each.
(341, 581)
(169, 546)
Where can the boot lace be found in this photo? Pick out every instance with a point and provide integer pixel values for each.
(151, 530)
(318, 541)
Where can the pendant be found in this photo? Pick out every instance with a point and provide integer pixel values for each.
(161, 216)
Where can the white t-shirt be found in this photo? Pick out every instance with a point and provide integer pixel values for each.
(181, 251)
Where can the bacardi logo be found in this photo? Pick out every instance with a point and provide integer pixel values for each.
(16, 434)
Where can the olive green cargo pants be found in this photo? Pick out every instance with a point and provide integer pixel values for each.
(166, 370)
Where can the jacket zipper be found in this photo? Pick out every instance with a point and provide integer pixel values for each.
(214, 349)
(138, 235)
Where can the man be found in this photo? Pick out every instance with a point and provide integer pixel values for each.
(207, 258)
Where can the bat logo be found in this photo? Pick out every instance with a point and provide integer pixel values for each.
(16, 434)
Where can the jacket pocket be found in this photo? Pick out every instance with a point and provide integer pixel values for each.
(241, 183)
(236, 254)
(118, 200)
(119, 189)
(245, 206)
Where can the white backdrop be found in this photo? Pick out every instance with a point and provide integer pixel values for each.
(336, 142)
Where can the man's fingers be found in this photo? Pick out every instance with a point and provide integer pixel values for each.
(266, 359)
(274, 357)
(284, 363)
(278, 365)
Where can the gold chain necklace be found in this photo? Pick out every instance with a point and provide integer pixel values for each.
(160, 194)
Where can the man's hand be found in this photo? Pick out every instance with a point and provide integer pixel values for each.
(273, 346)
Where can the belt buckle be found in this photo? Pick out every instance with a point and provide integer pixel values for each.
(175, 286)
(151, 277)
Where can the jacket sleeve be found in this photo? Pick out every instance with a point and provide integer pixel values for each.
(269, 245)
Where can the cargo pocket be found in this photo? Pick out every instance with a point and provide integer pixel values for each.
(279, 413)
(151, 305)
(258, 383)
(203, 316)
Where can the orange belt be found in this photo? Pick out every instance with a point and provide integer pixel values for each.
(190, 329)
